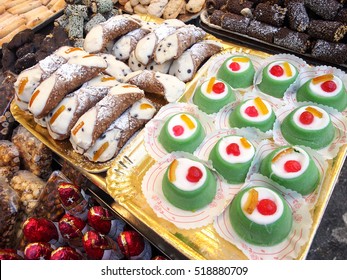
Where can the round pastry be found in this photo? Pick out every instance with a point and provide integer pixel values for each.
(238, 71)
(293, 168)
(260, 216)
(232, 157)
(327, 89)
(277, 76)
(181, 132)
(253, 113)
(309, 126)
(188, 184)
(212, 95)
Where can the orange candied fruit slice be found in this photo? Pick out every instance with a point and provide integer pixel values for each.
(314, 112)
(322, 79)
(172, 171)
(261, 106)
(251, 202)
(210, 84)
(100, 151)
(105, 79)
(22, 83)
(245, 143)
(187, 121)
(241, 59)
(70, 50)
(88, 55)
(57, 114)
(287, 69)
(33, 97)
(78, 127)
(282, 153)
(145, 106)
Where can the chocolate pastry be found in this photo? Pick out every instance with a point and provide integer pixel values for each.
(332, 31)
(297, 15)
(327, 9)
(25, 49)
(24, 62)
(270, 14)
(262, 31)
(216, 17)
(292, 40)
(8, 58)
(21, 38)
(236, 6)
(234, 22)
(330, 52)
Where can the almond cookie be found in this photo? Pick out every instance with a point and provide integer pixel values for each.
(173, 8)
(195, 6)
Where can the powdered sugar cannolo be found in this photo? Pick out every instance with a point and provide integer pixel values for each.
(115, 68)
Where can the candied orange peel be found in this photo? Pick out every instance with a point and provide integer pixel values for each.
(287, 69)
(322, 79)
(172, 171)
(251, 202)
(57, 114)
(105, 79)
(70, 50)
(245, 143)
(210, 84)
(188, 121)
(314, 112)
(261, 106)
(77, 128)
(100, 151)
(145, 106)
(33, 97)
(282, 153)
(241, 59)
(22, 83)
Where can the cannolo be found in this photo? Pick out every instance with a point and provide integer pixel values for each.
(297, 15)
(67, 78)
(100, 35)
(270, 14)
(330, 52)
(332, 31)
(145, 48)
(262, 31)
(162, 68)
(236, 6)
(234, 22)
(296, 41)
(185, 67)
(115, 68)
(29, 79)
(167, 86)
(119, 132)
(175, 44)
(134, 64)
(327, 9)
(96, 120)
(61, 120)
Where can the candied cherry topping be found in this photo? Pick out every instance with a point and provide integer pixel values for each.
(252, 111)
(328, 86)
(234, 66)
(194, 174)
(306, 117)
(267, 207)
(292, 166)
(233, 149)
(178, 130)
(277, 70)
(218, 87)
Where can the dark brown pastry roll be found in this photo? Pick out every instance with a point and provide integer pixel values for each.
(330, 52)
(234, 22)
(342, 16)
(212, 5)
(292, 40)
(297, 15)
(216, 17)
(262, 31)
(236, 6)
(271, 14)
(327, 9)
(332, 31)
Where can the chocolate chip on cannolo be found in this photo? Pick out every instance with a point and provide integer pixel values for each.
(61, 120)
(185, 67)
(175, 44)
(167, 86)
(100, 35)
(327, 9)
(296, 41)
(115, 68)
(270, 14)
(216, 17)
(330, 52)
(162, 68)
(213, 5)
(119, 132)
(332, 31)
(297, 15)
(65, 79)
(342, 16)
(234, 22)
(262, 31)
(236, 6)
(92, 124)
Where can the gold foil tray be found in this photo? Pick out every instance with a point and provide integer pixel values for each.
(123, 183)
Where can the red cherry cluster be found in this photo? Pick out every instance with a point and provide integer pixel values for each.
(328, 86)
(218, 87)
(266, 207)
(306, 118)
(292, 166)
(233, 149)
(178, 130)
(252, 111)
(234, 66)
(277, 70)
(194, 174)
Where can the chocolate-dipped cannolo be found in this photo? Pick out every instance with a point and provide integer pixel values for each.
(115, 68)
(61, 120)
(167, 86)
(145, 48)
(332, 31)
(100, 35)
(29, 79)
(67, 78)
(330, 52)
(327, 9)
(175, 44)
(216, 17)
(213, 5)
(262, 31)
(297, 15)
(342, 16)
(119, 132)
(234, 22)
(236, 6)
(92, 124)
(185, 67)
(270, 14)
(296, 41)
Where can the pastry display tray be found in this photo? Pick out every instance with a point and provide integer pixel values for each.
(251, 42)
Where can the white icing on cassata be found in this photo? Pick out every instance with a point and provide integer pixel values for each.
(177, 120)
(115, 68)
(212, 95)
(298, 155)
(143, 114)
(244, 66)
(246, 154)
(134, 64)
(89, 61)
(316, 88)
(181, 172)
(162, 68)
(284, 76)
(318, 123)
(258, 118)
(263, 193)
(173, 87)
(182, 67)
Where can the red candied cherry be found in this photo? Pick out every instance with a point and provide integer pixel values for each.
(266, 207)
(178, 130)
(234, 66)
(328, 86)
(218, 87)
(233, 149)
(306, 117)
(277, 70)
(252, 111)
(194, 174)
(292, 166)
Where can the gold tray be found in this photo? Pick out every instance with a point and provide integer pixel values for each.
(123, 183)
